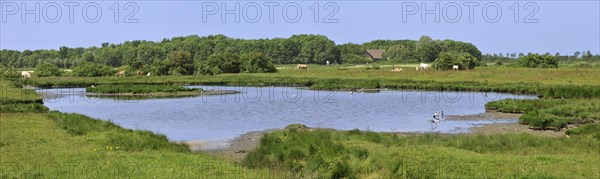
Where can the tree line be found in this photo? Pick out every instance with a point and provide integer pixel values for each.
(221, 54)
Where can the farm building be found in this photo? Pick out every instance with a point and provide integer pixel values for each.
(375, 54)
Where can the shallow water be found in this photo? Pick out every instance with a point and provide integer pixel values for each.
(258, 108)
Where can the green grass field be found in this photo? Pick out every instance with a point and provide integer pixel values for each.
(288, 74)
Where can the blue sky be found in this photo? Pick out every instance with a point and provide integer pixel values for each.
(541, 26)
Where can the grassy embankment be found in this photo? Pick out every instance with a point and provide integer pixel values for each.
(36, 143)
(359, 154)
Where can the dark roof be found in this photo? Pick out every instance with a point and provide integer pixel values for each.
(376, 53)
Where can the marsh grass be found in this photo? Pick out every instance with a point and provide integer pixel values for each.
(358, 154)
(139, 89)
(11, 93)
(551, 113)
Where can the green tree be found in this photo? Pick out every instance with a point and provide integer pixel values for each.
(356, 59)
(8, 72)
(47, 69)
(180, 63)
(426, 49)
(446, 60)
(399, 53)
(587, 55)
(256, 62)
(224, 63)
(538, 61)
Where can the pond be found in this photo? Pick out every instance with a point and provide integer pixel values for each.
(223, 117)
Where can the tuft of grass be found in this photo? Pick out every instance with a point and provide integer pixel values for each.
(588, 129)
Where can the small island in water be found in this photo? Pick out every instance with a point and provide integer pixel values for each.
(150, 91)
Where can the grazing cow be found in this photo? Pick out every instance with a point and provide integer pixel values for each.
(121, 73)
(139, 73)
(423, 66)
(25, 74)
(455, 67)
(397, 69)
(302, 66)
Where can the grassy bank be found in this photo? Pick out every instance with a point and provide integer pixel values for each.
(551, 113)
(15, 99)
(57, 145)
(139, 89)
(359, 154)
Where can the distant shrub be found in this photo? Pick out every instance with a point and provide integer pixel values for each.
(446, 60)
(499, 62)
(355, 59)
(8, 72)
(47, 69)
(538, 61)
(92, 70)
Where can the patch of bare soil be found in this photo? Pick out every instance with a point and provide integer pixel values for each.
(233, 150)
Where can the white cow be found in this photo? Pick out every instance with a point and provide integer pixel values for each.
(455, 67)
(25, 74)
(423, 66)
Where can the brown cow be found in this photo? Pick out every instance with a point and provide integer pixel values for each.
(302, 66)
(121, 73)
(139, 73)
